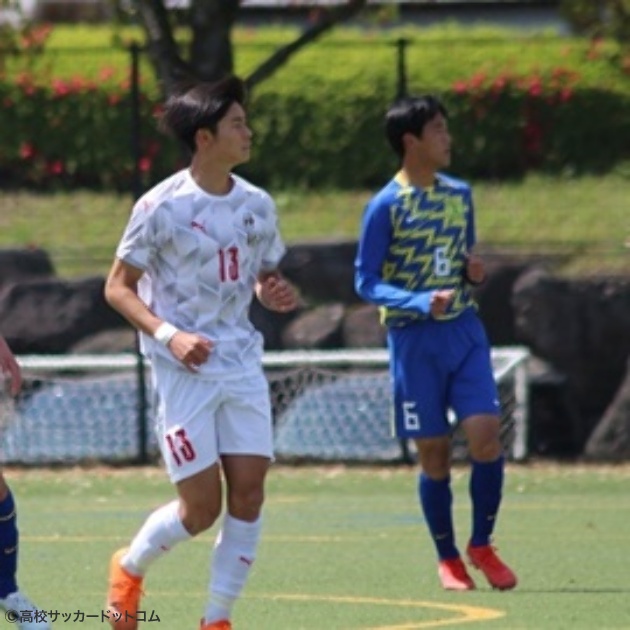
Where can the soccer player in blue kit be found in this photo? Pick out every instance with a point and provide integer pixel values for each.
(415, 260)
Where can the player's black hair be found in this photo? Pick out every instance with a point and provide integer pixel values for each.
(409, 115)
(200, 106)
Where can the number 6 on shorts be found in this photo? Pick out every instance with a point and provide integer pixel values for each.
(411, 419)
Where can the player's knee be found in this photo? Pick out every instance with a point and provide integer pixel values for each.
(436, 472)
(247, 504)
(434, 457)
(199, 517)
(486, 451)
(4, 488)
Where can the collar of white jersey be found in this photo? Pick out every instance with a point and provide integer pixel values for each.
(236, 186)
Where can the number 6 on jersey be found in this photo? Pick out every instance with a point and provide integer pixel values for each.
(411, 419)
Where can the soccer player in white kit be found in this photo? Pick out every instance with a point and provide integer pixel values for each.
(196, 249)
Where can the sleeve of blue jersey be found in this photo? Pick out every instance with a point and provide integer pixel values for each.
(471, 236)
(374, 243)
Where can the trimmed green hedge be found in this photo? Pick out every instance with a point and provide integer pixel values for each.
(319, 123)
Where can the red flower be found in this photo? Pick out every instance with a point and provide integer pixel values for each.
(459, 87)
(535, 87)
(144, 164)
(533, 139)
(55, 167)
(27, 151)
(60, 88)
(477, 80)
(153, 149)
(566, 94)
(106, 73)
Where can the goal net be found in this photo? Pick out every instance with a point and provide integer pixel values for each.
(329, 405)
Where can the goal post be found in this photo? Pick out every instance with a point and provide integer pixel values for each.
(328, 405)
(342, 406)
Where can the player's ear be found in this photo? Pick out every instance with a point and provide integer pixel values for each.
(203, 138)
(409, 141)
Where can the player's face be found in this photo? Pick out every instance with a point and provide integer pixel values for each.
(434, 145)
(233, 138)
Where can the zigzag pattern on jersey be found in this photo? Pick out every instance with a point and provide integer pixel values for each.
(424, 225)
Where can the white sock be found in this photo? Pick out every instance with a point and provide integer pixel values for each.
(233, 556)
(160, 532)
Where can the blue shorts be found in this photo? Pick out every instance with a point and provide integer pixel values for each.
(436, 366)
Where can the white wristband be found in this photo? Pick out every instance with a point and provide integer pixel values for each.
(164, 333)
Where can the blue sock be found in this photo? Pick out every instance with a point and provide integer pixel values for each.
(436, 500)
(486, 483)
(8, 547)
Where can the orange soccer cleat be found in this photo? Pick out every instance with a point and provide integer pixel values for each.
(223, 624)
(454, 576)
(498, 574)
(123, 595)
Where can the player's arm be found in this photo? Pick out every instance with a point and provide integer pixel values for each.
(474, 269)
(10, 368)
(121, 292)
(275, 293)
(374, 243)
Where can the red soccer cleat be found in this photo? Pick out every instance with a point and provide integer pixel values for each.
(223, 624)
(498, 574)
(453, 575)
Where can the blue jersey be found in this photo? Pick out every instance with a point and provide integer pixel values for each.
(413, 242)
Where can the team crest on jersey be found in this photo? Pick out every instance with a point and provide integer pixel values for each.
(249, 224)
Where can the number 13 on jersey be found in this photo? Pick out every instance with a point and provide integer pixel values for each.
(228, 264)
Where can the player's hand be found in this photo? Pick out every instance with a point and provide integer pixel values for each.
(475, 269)
(9, 368)
(440, 301)
(190, 349)
(276, 294)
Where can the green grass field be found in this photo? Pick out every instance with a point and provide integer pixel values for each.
(586, 217)
(343, 549)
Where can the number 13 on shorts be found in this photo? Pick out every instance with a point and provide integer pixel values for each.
(411, 419)
(179, 445)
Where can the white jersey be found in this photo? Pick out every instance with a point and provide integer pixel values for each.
(201, 255)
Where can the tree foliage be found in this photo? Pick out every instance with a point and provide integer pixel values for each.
(599, 18)
(208, 53)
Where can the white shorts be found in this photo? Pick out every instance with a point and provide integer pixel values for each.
(199, 419)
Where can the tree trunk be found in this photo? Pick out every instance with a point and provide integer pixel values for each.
(211, 23)
(169, 66)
